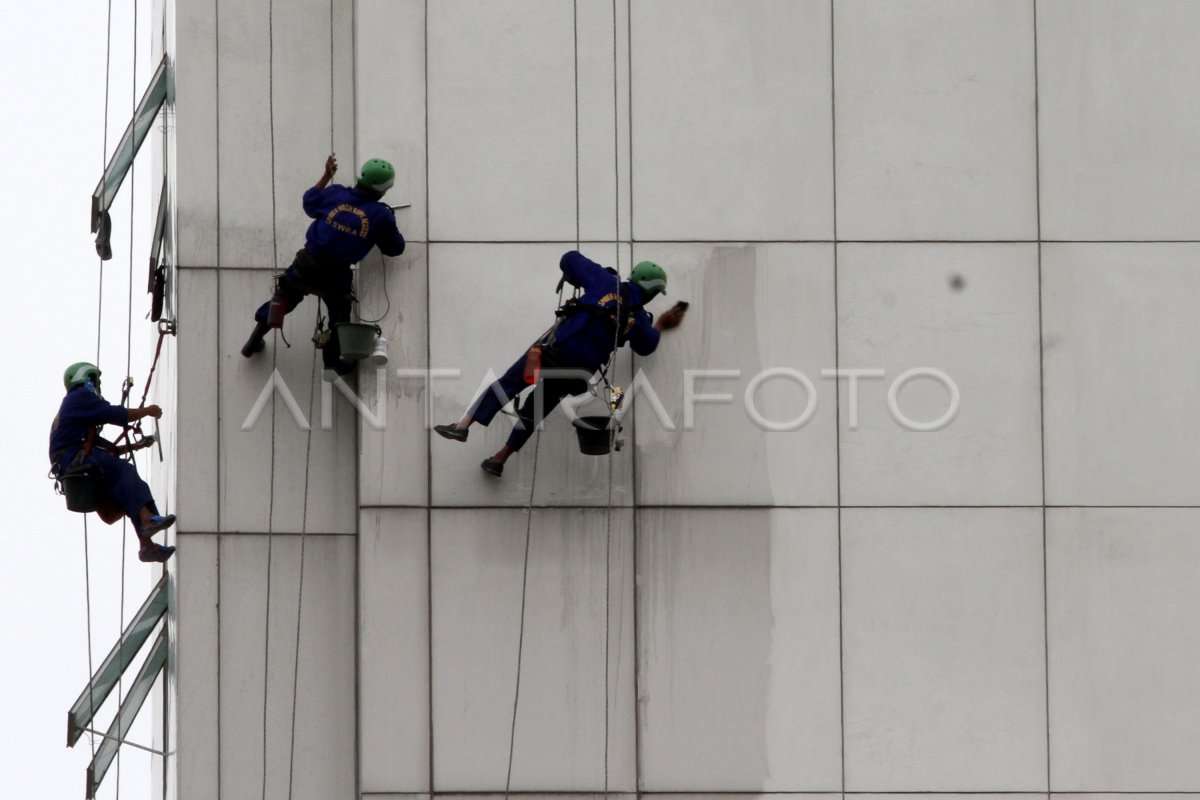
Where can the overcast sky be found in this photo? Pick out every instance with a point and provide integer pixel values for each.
(53, 100)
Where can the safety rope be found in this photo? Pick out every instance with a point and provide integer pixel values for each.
(307, 458)
(300, 590)
(512, 731)
(613, 428)
(128, 366)
(274, 405)
(613, 433)
(136, 427)
(307, 465)
(87, 569)
(87, 577)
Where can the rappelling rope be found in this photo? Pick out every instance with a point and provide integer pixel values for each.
(613, 426)
(300, 589)
(512, 731)
(87, 570)
(613, 431)
(128, 365)
(274, 405)
(307, 464)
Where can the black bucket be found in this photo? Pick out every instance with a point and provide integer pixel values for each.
(84, 489)
(595, 438)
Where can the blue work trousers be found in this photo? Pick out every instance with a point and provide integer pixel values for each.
(125, 486)
(545, 397)
(334, 282)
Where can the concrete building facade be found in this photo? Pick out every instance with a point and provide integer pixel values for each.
(778, 585)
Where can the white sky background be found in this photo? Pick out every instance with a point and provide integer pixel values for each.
(53, 91)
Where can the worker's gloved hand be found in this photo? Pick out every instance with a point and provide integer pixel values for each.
(150, 411)
(670, 319)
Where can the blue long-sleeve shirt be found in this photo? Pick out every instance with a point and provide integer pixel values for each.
(585, 339)
(347, 224)
(81, 411)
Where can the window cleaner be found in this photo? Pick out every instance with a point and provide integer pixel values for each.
(347, 223)
(608, 313)
(79, 456)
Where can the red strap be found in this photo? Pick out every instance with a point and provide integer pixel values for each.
(153, 365)
(137, 426)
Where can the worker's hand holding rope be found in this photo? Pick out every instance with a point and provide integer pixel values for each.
(330, 169)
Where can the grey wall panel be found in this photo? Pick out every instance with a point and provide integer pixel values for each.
(258, 727)
(602, 86)
(497, 172)
(314, 470)
(241, 666)
(390, 100)
(246, 458)
(245, 139)
(1118, 112)
(394, 650)
(265, 468)
(559, 744)
(302, 94)
(193, 684)
(913, 120)
(944, 647)
(393, 467)
(196, 124)
(341, 20)
(977, 307)
(326, 708)
(1123, 643)
(754, 308)
(737, 646)
(731, 120)
(196, 411)
(1120, 413)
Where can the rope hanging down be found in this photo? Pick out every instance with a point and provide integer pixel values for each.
(128, 369)
(274, 406)
(308, 445)
(87, 569)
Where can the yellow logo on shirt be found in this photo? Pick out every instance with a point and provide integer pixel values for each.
(613, 297)
(364, 224)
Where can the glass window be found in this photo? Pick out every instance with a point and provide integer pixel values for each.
(159, 91)
(81, 714)
(129, 709)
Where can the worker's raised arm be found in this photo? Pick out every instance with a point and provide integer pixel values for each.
(312, 196)
(330, 168)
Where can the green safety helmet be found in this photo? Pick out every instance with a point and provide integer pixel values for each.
(377, 174)
(650, 276)
(80, 373)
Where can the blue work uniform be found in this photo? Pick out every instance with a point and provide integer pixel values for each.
(82, 411)
(583, 340)
(347, 223)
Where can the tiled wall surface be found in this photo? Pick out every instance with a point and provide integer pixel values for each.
(1004, 191)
